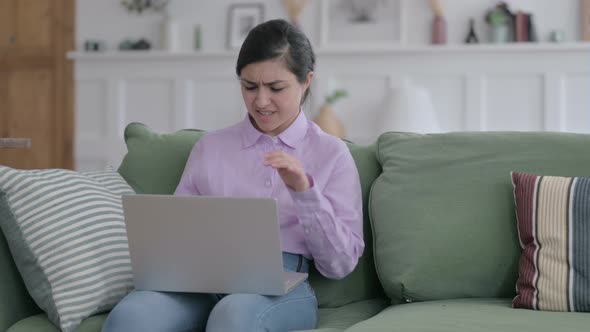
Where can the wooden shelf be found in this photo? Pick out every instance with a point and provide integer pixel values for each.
(369, 49)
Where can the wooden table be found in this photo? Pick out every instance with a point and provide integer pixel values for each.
(15, 143)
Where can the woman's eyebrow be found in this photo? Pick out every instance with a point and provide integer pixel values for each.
(264, 83)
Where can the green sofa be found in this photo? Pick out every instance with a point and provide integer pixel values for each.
(441, 241)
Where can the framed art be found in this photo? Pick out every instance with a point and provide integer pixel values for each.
(361, 22)
(242, 17)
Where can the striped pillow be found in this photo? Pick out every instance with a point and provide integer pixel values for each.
(553, 216)
(67, 235)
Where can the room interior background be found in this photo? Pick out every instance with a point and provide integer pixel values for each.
(398, 81)
(109, 22)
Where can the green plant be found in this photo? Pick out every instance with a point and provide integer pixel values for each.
(335, 96)
(497, 17)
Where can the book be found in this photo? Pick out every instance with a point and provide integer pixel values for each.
(522, 27)
(532, 30)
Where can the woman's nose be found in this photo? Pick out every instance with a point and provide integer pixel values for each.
(262, 98)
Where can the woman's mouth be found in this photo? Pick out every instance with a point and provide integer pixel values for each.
(266, 113)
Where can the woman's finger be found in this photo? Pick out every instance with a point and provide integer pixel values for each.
(281, 157)
(276, 153)
(281, 164)
(272, 160)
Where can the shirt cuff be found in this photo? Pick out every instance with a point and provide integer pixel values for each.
(307, 203)
(308, 197)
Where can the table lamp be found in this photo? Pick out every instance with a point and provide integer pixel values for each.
(409, 109)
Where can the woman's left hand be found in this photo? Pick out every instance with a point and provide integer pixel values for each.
(289, 168)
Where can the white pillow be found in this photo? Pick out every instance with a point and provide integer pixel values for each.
(67, 235)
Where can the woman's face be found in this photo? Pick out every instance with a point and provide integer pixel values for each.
(272, 95)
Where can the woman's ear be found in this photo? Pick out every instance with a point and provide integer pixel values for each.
(305, 86)
(308, 80)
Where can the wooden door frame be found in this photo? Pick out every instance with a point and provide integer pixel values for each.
(64, 42)
(52, 57)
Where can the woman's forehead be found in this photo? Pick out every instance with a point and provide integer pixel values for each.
(267, 71)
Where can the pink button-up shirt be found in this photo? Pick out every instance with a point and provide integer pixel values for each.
(323, 223)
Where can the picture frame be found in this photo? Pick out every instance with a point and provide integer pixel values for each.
(350, 23)
(585, 20)
(242, 17)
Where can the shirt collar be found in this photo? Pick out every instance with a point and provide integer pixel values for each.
(291, 136)
(250, 135)
(295, 133)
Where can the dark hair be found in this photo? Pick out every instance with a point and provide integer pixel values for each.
(276, 39)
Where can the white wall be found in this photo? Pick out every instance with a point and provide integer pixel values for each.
(107, 20)
(506, 87)
(524, 88)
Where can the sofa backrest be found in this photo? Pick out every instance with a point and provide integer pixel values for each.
(443, 208)
(362, 283)
(154, 164)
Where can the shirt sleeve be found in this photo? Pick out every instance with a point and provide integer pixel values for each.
(187, 185)
(332, 219)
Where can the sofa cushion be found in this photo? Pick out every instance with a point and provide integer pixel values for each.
(443, 208)
(482, 315)
(553, 216)
(329, 320)
(67, 235)
(40, 323)
(154, 164)
(362, 284)
(350, 314)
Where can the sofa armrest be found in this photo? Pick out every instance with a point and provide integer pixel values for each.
(15, 301)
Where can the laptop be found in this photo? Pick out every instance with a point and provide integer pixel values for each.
(205, 244)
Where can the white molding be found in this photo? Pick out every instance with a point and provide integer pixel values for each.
(555, 116)
(121, 113)
(573, 122)
(561, 103)
(483, 103)
(474, 102)
(179, 102)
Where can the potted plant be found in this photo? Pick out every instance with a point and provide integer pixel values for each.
(327, 119)
(500, 20)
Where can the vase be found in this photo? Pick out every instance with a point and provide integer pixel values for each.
(329, 122)
(500, 33)
(170, 35)
(439, 30)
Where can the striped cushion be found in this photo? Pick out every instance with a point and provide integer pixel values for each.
(67, 235)
(553, 216)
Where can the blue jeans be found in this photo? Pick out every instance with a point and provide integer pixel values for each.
(166, 311)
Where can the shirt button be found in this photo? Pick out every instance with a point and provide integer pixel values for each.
(306, 230)
(267, 183)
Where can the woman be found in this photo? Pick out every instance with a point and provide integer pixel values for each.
(274, 152)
